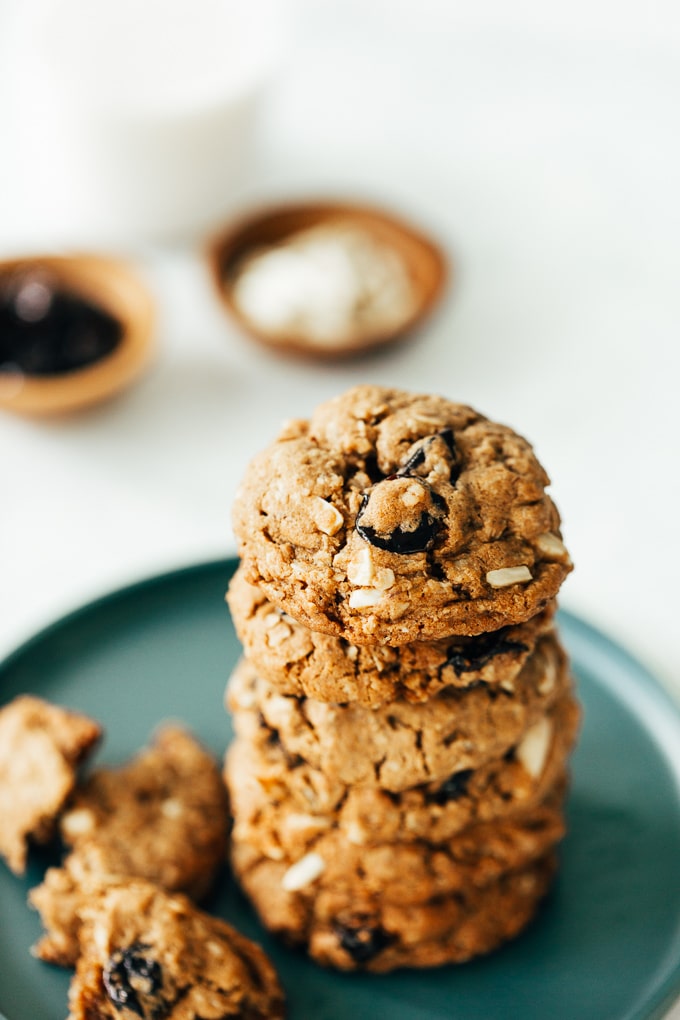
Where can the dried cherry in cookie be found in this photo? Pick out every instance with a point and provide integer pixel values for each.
(452, 788)
(407, 516)
(362, 938)
(472, 657)
(134, 981)
(442, 444)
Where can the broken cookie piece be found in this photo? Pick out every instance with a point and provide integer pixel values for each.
(162, 817)
(151, 955)
(41, 747)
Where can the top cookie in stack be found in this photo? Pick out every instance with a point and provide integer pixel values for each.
(391, 518)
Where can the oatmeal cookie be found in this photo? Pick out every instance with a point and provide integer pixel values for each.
(352, 930)
(280, 805)
(405, 873)
(391, 517)
(303, 662)
(41, 747)
(402, 744)
(147, 954)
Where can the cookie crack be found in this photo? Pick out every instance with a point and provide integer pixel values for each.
(377, 766)
(418, 749)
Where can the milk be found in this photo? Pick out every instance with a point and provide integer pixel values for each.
(158, 101)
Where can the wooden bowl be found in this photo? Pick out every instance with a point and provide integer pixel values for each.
(423, 260)
(114, 288)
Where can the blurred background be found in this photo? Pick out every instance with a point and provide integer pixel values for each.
(536, 143)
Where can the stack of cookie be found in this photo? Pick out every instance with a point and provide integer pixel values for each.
(404, 711)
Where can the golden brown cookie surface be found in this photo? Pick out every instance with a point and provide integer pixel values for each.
(302, 662)
(283, 806)
(390, 517)
(402, 744)
(407, 872)
(350, 929)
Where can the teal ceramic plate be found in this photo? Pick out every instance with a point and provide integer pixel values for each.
(606, 946)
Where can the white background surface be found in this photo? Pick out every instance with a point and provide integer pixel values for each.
(541, 147)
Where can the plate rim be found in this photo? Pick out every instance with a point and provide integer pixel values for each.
(640, 685)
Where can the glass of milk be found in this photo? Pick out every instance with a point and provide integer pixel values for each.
(159, 101)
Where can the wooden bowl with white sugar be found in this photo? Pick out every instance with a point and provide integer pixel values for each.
(327, 279)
